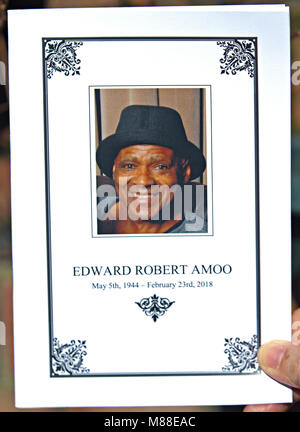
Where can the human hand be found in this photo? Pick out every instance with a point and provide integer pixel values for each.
(281, 361)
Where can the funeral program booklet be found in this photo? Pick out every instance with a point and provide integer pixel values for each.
(150, 163)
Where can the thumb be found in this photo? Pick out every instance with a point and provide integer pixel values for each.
(281, 360)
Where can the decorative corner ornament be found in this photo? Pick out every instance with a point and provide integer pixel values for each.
(67, 359)
(155, 306)
(61, 56)
(238, 55)
(242, 355)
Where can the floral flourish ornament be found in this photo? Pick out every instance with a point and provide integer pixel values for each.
(241, 355)
(155, 306)
(238, 55)
(61, 56)
(67, 359)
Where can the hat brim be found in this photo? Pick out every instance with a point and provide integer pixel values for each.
(110, 147)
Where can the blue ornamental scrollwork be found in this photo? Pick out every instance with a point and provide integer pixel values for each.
(155, 306)
(242, 355)
(67, 359)
(238, 55)
(61, 56)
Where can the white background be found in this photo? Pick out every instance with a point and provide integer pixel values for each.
(196, 330)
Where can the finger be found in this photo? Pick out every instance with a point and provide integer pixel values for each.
(267, 408)
(281, 360)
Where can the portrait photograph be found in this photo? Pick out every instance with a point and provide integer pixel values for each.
(152, 160)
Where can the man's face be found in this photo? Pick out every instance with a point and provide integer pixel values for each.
(139, 170)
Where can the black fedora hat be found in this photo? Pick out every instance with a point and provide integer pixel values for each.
(153, 125)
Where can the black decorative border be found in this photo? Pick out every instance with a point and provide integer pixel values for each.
(238, 55)
(242, 355)
(67, 358)
(61, 56)
(48, 209)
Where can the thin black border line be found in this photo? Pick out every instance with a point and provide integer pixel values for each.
(158, 235)
(148, 38)
(98, 112)
(211, 165)
(158, 374)
(48, 215)
(257, 195)
(90, 147)
(201, 138)
(48, 212)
